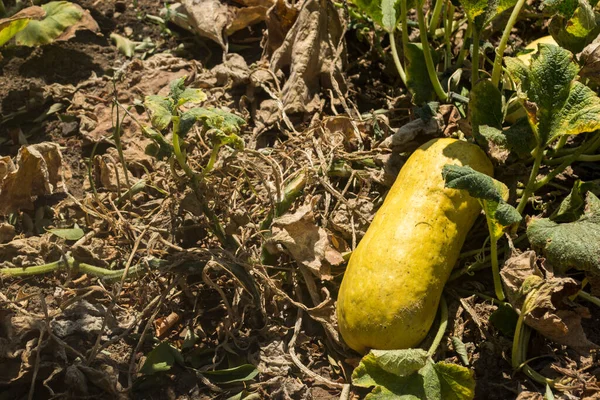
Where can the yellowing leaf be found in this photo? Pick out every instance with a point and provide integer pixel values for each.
(9, 27)
(556, 103)
(62, 19)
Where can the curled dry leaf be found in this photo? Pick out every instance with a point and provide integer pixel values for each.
(310, 51)
(37, 173)
(307, 243)
(551, 313)
(164, 324)
(280, 19)
(216, 20)
(590, 59)
(410, 131)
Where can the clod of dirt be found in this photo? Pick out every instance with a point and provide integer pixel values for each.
(37, 173)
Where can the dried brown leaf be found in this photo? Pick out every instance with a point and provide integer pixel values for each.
(164, 324)
(310, 51)
(85, 23)
(37, 174)
(590, 59)
(550, 312)
(279, 20)
(307, 243)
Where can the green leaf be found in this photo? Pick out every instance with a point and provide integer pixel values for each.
(392, 372)
(517, 139)
(191, 95)
(60, 15)
(479, 185)
(566, 8)
(417, 77)
(505, 320)
(431, 382)
(241, 373)
(68, 234)
(490, 193)
(176, 88)
(578, 31)
(460, 349)
(160, 359)
(571, 207)
(11, 28)
(556, 104)
(485, 108)
(124, 45)
(160, 148)
(160, 109)
(483, 11)
(211, 118)
(457, 383)
(400, 362)
(573, 244)
(389, 16)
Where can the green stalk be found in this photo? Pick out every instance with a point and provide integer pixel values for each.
(441, 329)
(399, 67)
(495, 268)
(117, 137)
(464, 48)
(102, 273)
(588, 297)
(404, 22)
(435, 81)
(179, 156)
(520, 344)
(435, 17)
(483, 263)
(447, 33)
(531, 183)
(497, 70)
(475, 57)
(34, 270)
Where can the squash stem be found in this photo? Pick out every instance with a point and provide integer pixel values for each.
(496, 268)
(588, 297)
(520, 344)
(464, 47)
(435, 17)
(435, 81)
(531, 183)
(497, 70)
(447, 33)
(475, 58)
(441, 329)
(399, 67)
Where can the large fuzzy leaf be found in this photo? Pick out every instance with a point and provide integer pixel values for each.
(488, 191)
(556, 104)
(570, 245)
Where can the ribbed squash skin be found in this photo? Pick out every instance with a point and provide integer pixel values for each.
(392, 286)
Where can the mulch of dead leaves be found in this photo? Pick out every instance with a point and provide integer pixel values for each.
(71, 334)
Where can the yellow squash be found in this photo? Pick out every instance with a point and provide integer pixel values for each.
(392, 286)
